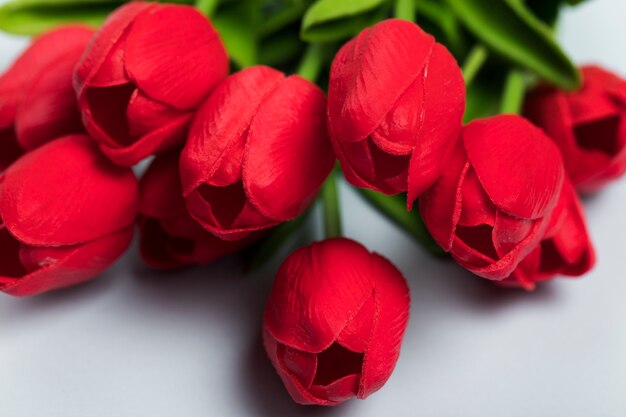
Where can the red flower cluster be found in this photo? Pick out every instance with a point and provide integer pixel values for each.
(237, 155)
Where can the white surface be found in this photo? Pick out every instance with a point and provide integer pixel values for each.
(139, 343)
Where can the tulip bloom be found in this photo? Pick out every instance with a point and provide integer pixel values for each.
(492, 205)
(334, 322)
(395, 105)
(66, 214)
(588, 126)
(147, 70)
(37, 101)
(257, 153)
(170, 238)
(566, 248)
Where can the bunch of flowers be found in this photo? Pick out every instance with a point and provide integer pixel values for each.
(238, 158)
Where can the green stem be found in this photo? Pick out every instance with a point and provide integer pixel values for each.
(405, 9)
(474, 62)
(330, 206)
(312, 62)
(207, 7)
(394, 208)
(514, 91)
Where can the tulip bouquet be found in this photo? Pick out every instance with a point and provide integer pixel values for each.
(462, 121)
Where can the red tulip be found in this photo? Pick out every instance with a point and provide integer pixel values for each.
(66, 214)
(334, 322)
(147, 70)
(566, 249)
(492, 205)
(588, 126)
(37, 101)
(257, 153)
(170, 238)
(395, 104)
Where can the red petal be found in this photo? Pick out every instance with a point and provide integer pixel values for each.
(509, 231)
(391, 298)
(66, 266)
(441, 206)
(441, 117)
(160, 193)
(370, 73)
(519, 167)
(175, 56)
(146, 115)
(101, 62)
(288, 155)
(215, 146)
(477, 208)
(45, 51)
(317, 290)
(48, 108)
(340, 390)
(66, 193)
(9, 148)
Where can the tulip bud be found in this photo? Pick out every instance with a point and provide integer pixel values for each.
(334, 322)
(395, 104)
(142, 77)
(257, 153)
(588, 126)
(492, 205)
(566, 248)
(66, 214)
(37, 100)
(170, 238)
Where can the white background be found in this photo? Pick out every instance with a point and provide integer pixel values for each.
(140, 343)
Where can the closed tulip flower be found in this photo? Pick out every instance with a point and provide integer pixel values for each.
(139, 82)
(66, 214)
(588, 126)
(566, 248)
(257, 153)
(395, 104)
(492, 205)
(170, 238)
(37, 100)
(334, 322)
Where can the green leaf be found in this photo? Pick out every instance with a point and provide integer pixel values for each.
(32, 17)
(334, 20)
(235, 25)
(440, 15)
(511, 30)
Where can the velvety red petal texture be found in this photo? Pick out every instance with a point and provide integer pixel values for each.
(566, 249)
(588, 126)
(66, 193)
(288, 154)
(169, 237)
(257, 153)
(214, 150)
(171, 40)
(37, 100)
(517, 164)
(60, 267)
(132, 96)
(334, 322)
(395, 104)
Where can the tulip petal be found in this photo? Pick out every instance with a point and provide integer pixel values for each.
(66, 266)
(316, 292)
(175, 56)
(338, 391)
(160, 192)
(145, 115)
(35, 61)
(9, 148)
(511, 148)
(81, 197)
(477, 207)
(391, 315)
(441, 206)
(355, 336)
(288, 154)
(216, 142)
(48, 108)
(95, 68)
(441, 117)
(364, 86)
(10, 265)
